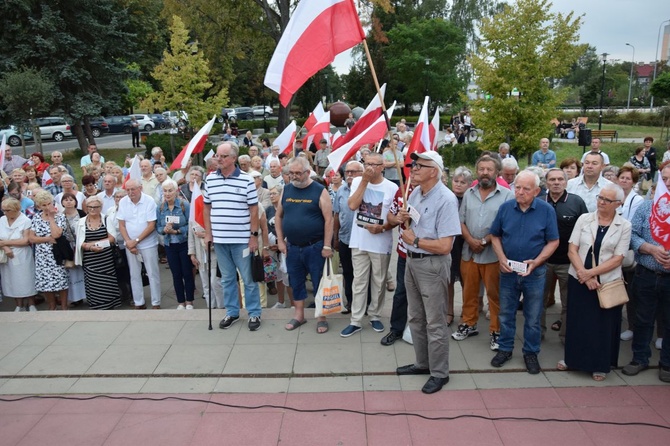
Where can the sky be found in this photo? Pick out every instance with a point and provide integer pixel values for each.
(607, 25)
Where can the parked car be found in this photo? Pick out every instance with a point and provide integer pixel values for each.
(98, 126)
(160, 121)
(145, 122)
(244, 113)
(118, 124)
(56, 128)
(230, 112)
(174, 117)
(262, 110)
(11, 134)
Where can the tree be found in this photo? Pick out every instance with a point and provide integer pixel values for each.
(660, 88)
(184, 78)
(423, 57)
(26, 93)
(522, 47)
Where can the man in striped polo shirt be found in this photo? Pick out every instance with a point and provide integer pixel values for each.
(231, 222)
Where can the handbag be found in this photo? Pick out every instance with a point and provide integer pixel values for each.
(3, 256)
(257, 269)
(328, 299)
(119, 256)
(610, 294)
(145, 276)
(63, 251)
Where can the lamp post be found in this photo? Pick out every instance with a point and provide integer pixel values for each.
(630, 81)
(658, 41)
(426, 75)
(603, 57)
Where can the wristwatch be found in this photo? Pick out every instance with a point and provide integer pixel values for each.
(137, 240)
(484, 242)
(254, 233)
(416, 242)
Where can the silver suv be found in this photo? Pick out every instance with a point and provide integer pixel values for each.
(55, 128)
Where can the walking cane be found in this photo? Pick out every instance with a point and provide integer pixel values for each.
(209, 278)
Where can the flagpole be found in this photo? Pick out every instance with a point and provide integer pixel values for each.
(209, 277)
(388, 122)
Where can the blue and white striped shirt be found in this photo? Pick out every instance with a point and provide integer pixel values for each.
(230, 199)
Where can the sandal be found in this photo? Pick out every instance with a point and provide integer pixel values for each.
(295, 323)
(562, 366)
(450, 319)
(556, 326)
(322, 327)
(599, 376)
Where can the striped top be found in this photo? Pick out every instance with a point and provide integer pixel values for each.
(230, 199)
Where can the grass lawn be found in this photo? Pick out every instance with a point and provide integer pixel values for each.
(633, 131)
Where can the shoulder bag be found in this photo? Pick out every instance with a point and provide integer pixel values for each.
(610, 294)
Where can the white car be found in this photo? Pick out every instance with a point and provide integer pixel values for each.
(56, 128)
(174, 117)
(11, 134)
(145, 122)
(262, 110)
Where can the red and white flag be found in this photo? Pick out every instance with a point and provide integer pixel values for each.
(369, 136)
(659, 221)
(134, 172)
(434, 130)
(335, 138)
(46, 178)
(372, 112)
(197, 206)
(421, 140)
(3, 146)
(317, 32)
(322, 127)
(195, 145)
(314, 116)
(286, 139)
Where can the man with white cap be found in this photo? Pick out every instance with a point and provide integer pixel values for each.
(432, 224)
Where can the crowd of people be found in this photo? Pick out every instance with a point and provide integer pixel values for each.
(508, 234)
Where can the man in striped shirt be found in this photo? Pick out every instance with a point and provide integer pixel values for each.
(231, 223)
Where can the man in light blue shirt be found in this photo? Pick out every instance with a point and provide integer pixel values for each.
(544, 157)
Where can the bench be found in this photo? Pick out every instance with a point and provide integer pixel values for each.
(611, 134)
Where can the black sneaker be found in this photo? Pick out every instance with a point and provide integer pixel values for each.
(500, 358)
(532, 365)
(254, 323)
(464, 331)
(227, 321)
(495, 336)
(390, 338)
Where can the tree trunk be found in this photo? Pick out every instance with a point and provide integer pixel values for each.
(78, 132)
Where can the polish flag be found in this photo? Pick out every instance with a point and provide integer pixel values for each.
(197, 206)
(209, 155)
(369, 136)
(314, 116)
(421, 140)
(46, 178)
(134, 172)
(322, 127)
(372, 112)
(3, 146)
(434, 130)
(335, 137)
(659, 220)
(317, 32)
(286, 139)
(195, 145)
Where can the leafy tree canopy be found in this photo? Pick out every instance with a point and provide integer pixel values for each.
(660, 88)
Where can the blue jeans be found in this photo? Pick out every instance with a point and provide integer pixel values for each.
(182, 271)
(532, 287)
(399, 311)
(230, 260)
(301, 261)
(652, 294)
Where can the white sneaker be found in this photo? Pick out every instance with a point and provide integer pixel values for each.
(279, 305)
(32, 308)
(180, 307)
(19, 309)
(659, 343)
(626, 335)
(189, 307)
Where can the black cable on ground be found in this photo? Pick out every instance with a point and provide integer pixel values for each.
(352, 411)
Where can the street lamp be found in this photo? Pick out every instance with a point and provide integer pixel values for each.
(630, 81)
(658, 40)
(427, 68)
(603, 57)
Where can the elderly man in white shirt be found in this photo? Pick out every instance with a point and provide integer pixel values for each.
(589, 184)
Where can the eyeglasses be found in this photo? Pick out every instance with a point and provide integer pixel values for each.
(352, 172)
(297, 174)
(420, 166)
(373, 164)
(93, 207)
(223, 156)
(606, 200)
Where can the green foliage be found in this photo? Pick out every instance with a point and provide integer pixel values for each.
(410, 46)
(523, 47)
(26, 91)
(660, 88)
(460, 154)
(184, 78)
